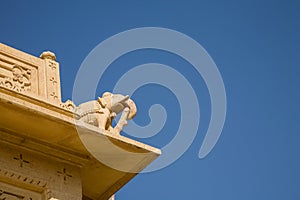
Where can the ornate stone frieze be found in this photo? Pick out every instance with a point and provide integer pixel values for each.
(18, 79)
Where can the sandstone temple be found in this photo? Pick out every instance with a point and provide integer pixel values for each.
(49, 149)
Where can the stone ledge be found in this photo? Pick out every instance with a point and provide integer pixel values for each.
(52, 131)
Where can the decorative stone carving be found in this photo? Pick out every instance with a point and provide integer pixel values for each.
(22, 179)
(53, 81)
(21, 160)
(68, 105)
(15, 192)
(101, 113)
(52, 77)
(53, 95)
(64, 174)
(48, 55)
(21, 76)
(42, 156)
(19, 80)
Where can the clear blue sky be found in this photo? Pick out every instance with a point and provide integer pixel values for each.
(255, 45)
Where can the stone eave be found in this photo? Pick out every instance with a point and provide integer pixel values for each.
(46, 128)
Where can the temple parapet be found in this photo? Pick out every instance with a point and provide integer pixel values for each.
(54, 150)
(29, 75)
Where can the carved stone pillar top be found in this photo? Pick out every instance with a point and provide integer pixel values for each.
(48, 55)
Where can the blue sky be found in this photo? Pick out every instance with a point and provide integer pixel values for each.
(255, 45)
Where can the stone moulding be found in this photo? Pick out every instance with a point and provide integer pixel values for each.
(31, 186)
(16, 178)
